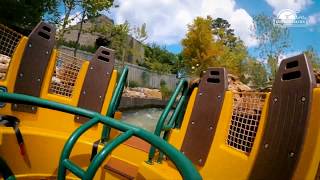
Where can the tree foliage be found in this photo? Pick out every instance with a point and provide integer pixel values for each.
(159, 59)
(313, 56)
(199, 49)
(222, 32)
(119, 40)
(254, 73)
(24, 15)
(273, 40)
(211, 42)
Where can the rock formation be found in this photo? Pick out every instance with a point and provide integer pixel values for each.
(140, 92)
(4, 65)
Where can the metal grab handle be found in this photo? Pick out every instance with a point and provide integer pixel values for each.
(65, 163)
(182, 163)
(183, 88)
(114, 103)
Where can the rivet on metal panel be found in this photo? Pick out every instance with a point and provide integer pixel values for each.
(266, 146)
(33, 108)
(100, 97)
(38, 79)
(200, 160)
(78, 117)
(108, 73)
(30, 45)
(303, 99)
(84, 92)
(275, 99)
(47, 52)
(91, 67)
(291, 154)
(211, 128)
(192, 122)
(200, 94)
(219, 97)
(21, 75)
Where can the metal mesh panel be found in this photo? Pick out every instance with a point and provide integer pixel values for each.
(9, 39)
(247, 108)
(65, 75)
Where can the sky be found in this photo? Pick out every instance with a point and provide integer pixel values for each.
(167, 20)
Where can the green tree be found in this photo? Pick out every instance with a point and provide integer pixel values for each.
(68, 6)
(141, 35)
(24, 15)
(254, 73)
(91, 8)
(313, 56)
(234, 50)
(273, 40)
(120, 41)
(199, 49)
(211, 42)
(223, 33)
(159, 59)
(116, 36)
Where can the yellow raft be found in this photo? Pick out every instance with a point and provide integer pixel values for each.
(59, 121)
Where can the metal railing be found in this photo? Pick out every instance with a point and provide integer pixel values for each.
(182, 88)
(114, 103)
(183, 164)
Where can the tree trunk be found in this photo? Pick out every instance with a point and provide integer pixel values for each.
(79, 33)
(65, 22)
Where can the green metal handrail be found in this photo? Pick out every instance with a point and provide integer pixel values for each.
(182, 163)
(182, 88)
(114, 103)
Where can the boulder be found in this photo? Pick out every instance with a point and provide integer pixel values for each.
(4, 65)
(234, 84)
(140, 92)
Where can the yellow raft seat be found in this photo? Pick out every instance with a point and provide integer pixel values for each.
(46, 95)
(250, 135)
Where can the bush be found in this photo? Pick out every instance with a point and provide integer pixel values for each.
(165, 92)
(163, 83)
(133, 84)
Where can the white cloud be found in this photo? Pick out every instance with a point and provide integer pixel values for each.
(314, 19)
(296, 5)
(288, 54)
(73, 19)
(167, 19)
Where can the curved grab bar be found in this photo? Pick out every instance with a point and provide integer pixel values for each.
(182, 163)
(114, 103)
(183, 88)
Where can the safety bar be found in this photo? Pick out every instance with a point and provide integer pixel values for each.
(114, 104)
(183, 164)
(183, 88)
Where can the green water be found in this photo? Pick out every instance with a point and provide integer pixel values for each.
(144, 118)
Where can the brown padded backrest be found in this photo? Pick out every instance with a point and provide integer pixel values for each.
(96, 81)
(205, 115)
(34, 64)
(287, 120)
